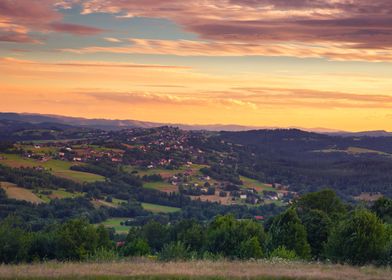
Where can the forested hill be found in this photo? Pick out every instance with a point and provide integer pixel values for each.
(308, 161)
(294, 140)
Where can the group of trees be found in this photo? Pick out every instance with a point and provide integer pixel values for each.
(316, 227)
(73, 240)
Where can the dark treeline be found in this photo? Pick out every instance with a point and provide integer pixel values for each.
(317, 227)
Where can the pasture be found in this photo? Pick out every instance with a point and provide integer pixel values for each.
(58, 168)
(255, 184)
(57, 194)
(117, 224)
(161, 186)
(18, 193)
(155, 208)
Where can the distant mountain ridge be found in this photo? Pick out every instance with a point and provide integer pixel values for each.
(109, 124)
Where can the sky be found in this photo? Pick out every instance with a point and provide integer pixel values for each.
(280, 63)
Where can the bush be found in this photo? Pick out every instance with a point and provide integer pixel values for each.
(250, 249)
(137, 247)
(175, 251)
(283, 253)
(103, 255)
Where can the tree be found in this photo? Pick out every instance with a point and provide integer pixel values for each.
(76, 240)
(360, 238)
(250, 249)
(155, 234)
(103, 241)
(318, 227)
(235, 239)
(325, 200)
(286, 230)
(383, 208)
(14, 242)
(190, 233)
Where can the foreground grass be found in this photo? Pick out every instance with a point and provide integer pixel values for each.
(145, 269)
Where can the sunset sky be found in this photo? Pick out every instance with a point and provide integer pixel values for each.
(307, 63)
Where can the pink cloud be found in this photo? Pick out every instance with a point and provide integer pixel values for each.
(361, 22)
(19, 17)
(75, 28)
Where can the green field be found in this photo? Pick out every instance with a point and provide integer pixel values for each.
(354, 151)
(255, 184)
(59, 194)
(40, 151)
(58, 168)
(161, 186)
(155, 208)
(116, 224)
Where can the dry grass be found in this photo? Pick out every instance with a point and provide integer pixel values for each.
(222, 269)
(18, 193)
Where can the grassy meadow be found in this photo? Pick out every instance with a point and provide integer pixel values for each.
(155, 208)
(148, 269)
(255, 184)
(56, 167)
(116, 224)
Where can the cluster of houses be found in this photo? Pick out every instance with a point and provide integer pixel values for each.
(77, 153)
(171, 144)
(85, 153)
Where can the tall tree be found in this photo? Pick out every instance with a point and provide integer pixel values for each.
(358, 239)
(288, 231)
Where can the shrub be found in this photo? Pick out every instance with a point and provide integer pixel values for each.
(103, 255)
(283, 253)
(250, 249)
(175, 251)
(137, 247)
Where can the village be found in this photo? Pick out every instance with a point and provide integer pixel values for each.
(165, 159)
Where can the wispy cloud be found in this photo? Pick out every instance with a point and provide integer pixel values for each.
(91, 64)
(112, 40)
(223, 48)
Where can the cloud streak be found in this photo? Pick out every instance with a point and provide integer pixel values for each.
(252, 98)
(222, 48)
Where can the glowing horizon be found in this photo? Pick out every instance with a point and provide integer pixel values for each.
(273, 63)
